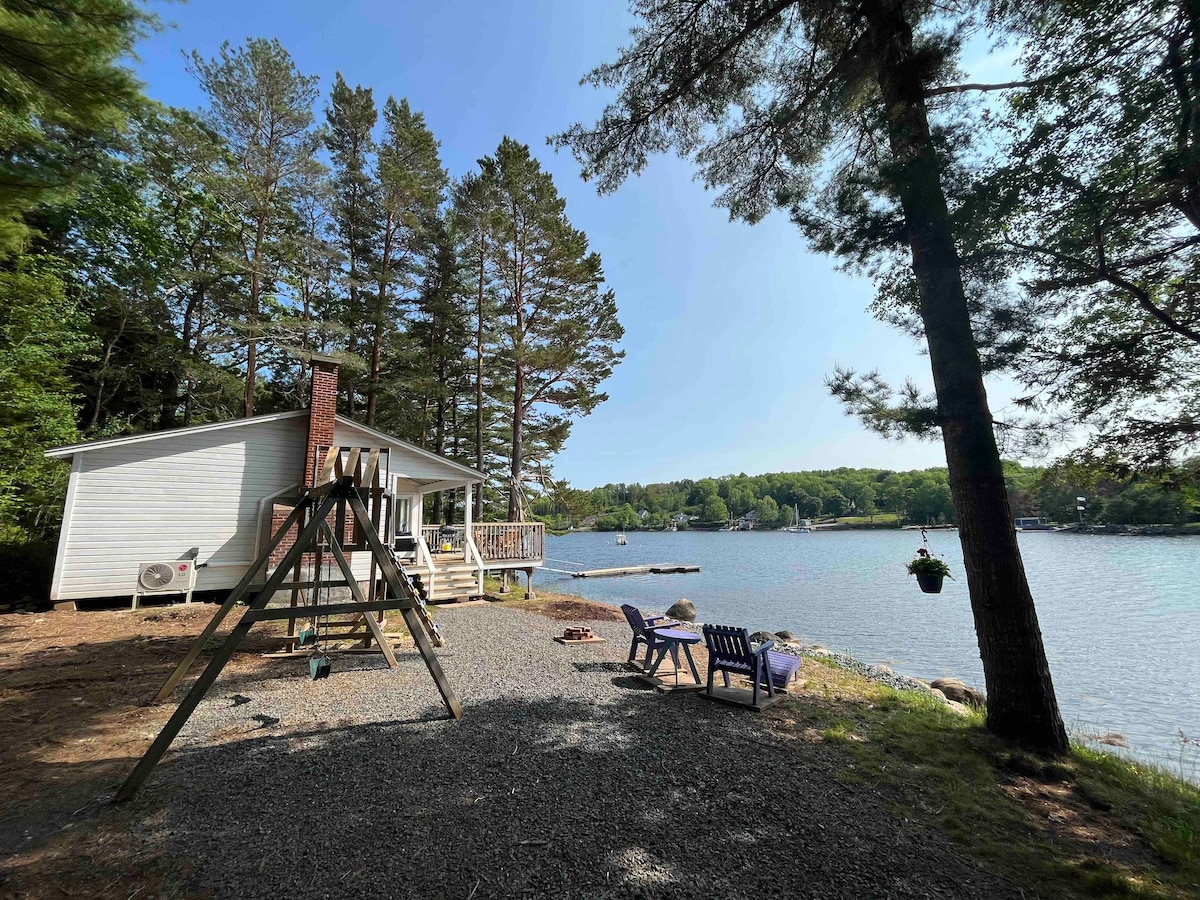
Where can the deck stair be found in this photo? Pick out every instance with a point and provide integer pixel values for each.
(452, 581)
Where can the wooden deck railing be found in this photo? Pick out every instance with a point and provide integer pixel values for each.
(510, 541)
(436, 538)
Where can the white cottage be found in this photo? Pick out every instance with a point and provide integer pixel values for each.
(209, 494)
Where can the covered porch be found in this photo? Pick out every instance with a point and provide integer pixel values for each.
(449, 561)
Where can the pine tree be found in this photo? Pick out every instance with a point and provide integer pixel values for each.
(557, 328)
(472, 213)
(411, 180)
(773, 98)
(261, 106)
(351, 118)
(63, 86)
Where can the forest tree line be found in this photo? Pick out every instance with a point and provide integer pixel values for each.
(922, 497)
(164, 267)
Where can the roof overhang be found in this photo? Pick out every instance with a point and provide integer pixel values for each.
(71, 449)
(457, 473)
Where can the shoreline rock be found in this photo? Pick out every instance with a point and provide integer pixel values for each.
(684, 610)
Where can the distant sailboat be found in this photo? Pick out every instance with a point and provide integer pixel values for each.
(798, 525)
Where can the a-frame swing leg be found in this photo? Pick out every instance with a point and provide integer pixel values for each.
(232, 641)
(356, 592)
(392, 575)
(235, 595)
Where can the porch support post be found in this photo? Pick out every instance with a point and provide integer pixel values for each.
(529, 584)
(467, 537)
(416, 513)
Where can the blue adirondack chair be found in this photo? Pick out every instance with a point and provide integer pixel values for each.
(730, 650)
(643, 631)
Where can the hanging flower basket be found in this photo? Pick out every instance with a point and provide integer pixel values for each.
(930, 572)
(930, 584)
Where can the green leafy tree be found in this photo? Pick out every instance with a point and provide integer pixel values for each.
(41, 332)
(715, 509)
(825, 106)
(769, 512)
(195, 241)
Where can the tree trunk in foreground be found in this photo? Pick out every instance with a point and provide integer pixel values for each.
(1021, 703)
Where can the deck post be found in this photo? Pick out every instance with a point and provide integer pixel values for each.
(529, 584)
(467, 523)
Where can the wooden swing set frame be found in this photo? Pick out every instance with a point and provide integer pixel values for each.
(330, 498)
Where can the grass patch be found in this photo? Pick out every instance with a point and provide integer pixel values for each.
(1087, 825)
(879, 520)
(565, 607)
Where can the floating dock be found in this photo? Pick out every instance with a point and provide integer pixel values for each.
(658, 569)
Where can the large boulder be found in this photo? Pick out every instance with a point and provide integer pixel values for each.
(955, 690)
(684, 610)
(784, 635)
(760, 637)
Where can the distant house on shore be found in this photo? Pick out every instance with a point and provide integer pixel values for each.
(1030, 523)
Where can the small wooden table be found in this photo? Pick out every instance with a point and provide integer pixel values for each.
(672, 639)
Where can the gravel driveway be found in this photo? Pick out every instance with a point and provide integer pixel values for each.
(564, 778)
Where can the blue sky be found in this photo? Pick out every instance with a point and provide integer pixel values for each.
(730, 328)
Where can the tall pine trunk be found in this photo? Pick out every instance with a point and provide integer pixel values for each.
(380, 318)
(252, 315)
(518, 426)
(1021, 702)
(479, 461)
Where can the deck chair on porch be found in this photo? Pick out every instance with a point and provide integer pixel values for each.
(643, 631)
(730, 650)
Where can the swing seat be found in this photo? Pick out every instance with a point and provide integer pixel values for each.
(307, 636)
(318, 667)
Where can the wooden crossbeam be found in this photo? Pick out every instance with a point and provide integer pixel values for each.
(275, 613)
(403, 598)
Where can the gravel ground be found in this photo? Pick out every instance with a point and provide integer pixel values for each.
(565, 778)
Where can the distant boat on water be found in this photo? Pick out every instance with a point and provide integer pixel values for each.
(798, 525)
(621, 539)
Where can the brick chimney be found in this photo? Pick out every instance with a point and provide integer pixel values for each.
(322, 408)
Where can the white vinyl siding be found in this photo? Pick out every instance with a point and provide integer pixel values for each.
(153, 500)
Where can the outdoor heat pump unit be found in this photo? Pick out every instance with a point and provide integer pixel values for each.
(176, 576)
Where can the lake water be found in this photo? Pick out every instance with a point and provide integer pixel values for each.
(1120, 615)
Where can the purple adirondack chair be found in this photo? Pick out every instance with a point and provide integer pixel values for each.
(643, 631)
(730, 650)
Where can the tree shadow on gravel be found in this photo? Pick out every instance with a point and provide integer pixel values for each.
(642, 796)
